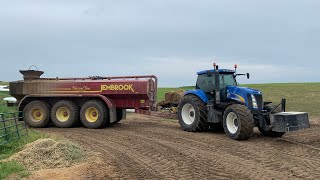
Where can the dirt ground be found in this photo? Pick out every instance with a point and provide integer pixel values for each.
(144, 147)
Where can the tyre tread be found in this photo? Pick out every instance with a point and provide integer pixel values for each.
(45, 122)
(105, 113)
(246, 121)
(74, 108)
(201, 125)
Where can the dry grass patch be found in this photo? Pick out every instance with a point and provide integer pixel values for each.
(48, 154)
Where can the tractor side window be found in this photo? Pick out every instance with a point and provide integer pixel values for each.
(227, 80)
(205, 83)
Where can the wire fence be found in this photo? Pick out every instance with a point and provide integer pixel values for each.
(11, 129)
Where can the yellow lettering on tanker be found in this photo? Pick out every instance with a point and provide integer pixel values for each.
(84, 88)
(117, 87)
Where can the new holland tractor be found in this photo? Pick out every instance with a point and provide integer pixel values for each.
(219, 101)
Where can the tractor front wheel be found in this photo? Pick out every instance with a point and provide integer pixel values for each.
(192, 114)
(238, 122)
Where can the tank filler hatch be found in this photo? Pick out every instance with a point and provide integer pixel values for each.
(31, 74)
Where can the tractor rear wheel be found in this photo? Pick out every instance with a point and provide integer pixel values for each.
(37, 114)
(65, 114)
(271, 133)
(193, 115)
(238, 122)
(94, 114)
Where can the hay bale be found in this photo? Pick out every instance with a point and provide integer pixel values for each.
(48, 154)
(173, 97)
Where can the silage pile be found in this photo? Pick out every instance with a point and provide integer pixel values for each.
(48, 154)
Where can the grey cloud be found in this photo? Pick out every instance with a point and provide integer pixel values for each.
(80, 38)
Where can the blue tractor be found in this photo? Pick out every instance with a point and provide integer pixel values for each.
(219, 101)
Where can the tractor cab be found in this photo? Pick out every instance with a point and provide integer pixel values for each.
(208, 83)
(220, 87)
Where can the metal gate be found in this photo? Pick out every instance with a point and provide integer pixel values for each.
(11, 129)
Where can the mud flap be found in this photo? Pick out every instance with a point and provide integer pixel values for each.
(124, 114)
(289, 121)
(113, 114)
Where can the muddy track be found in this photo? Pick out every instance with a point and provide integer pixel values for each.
(143, 147)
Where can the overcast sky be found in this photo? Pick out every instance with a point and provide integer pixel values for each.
(274, 40)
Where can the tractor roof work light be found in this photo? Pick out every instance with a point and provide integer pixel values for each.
(216, 67)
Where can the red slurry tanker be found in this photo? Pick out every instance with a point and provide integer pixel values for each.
(96, 101)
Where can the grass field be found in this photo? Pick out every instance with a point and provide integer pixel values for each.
(11, 167)
(3, 104)
(300, 96)
(3, 83)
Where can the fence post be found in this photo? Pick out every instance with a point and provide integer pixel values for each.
(23, 124)
(17, 126)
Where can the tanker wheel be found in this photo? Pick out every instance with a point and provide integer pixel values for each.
(271, 133)
(94, 114)
(37, 114)
(65, 114)
(192, 113)
(238, 122)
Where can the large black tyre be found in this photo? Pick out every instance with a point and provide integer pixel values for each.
(193, 115)
(37, 114)
(94, 114)
(238, 122)
(271, 133)
(65, 114)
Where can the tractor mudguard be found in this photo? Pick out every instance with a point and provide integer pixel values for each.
(199, 93)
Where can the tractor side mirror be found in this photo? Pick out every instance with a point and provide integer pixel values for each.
(248, 76)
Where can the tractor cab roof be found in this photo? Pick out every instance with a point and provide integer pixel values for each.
(221, 71)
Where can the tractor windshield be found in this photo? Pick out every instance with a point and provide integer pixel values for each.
(227, 80)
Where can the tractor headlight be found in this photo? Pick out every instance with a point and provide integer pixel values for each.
(254, 102)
